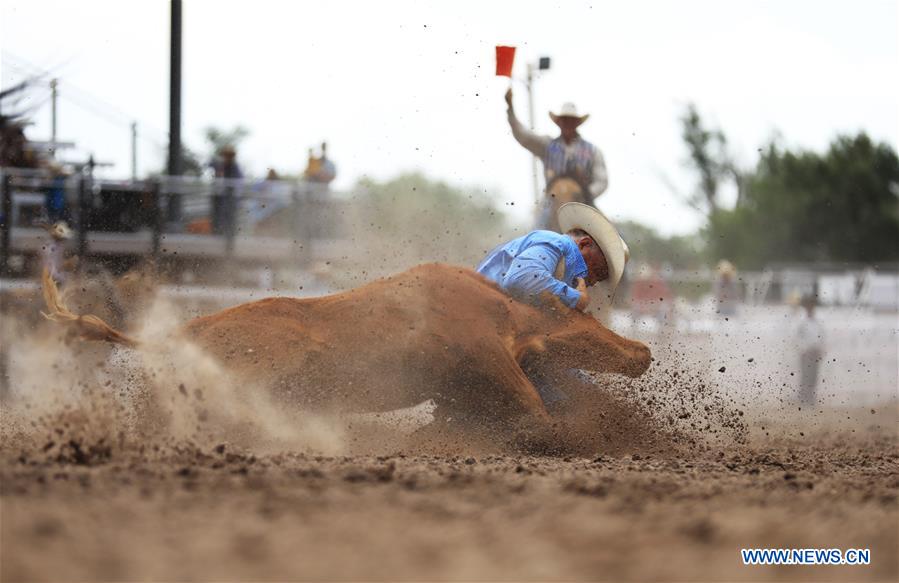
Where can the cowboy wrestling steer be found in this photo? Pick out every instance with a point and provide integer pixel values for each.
(434, 332)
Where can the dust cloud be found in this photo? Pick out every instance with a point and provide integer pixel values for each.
(77, 398)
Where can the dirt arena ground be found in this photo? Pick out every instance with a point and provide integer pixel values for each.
(208, 515)
(685, 471)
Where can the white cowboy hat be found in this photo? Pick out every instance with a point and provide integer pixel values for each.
(725, 267)
(575, 215)
(568, 109)
(60, 231)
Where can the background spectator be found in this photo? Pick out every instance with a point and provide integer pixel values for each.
(810, 342)
(321, 170)
(726, 290)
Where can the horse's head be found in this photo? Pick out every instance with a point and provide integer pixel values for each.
(563, 190)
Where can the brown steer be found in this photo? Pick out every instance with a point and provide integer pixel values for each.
(433, 332)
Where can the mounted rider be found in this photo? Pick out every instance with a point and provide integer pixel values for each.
(574, 169)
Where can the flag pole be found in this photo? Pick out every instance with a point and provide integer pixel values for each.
(530, 87)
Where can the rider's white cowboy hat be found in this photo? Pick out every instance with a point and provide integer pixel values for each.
(569, 110)
(575, 215)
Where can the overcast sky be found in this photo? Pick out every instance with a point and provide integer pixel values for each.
(397, 86)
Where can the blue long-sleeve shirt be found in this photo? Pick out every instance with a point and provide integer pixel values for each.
(525, 267)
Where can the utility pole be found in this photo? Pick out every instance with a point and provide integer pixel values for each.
(530, 85)
(542, 65)
(175, 161)
(53, 95)
(134, 150)
(174, 167)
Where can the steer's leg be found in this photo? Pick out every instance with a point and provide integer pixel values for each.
(521, 391)
(487, 398)
(488, 386)
(533, 431)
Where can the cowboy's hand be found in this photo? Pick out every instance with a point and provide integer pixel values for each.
(585, 298)
(509, 97)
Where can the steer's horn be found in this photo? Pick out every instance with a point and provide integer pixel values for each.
(89, 327)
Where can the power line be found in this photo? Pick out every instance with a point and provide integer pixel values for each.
(26, 104)
(26, 63)
(83, 100)
(86, 100)
(19, 91)
(26, 71)
(31, 109)
(105, 116)
(98, 103)
(100, 112)
(23, 67)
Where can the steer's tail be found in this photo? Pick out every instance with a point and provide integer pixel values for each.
(89, 327)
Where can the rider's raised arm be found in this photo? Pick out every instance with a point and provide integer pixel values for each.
(534, 143)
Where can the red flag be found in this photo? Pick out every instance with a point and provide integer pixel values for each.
(505, 56)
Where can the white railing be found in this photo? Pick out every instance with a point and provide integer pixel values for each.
(187, 216)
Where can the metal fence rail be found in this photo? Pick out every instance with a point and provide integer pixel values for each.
(243, 220)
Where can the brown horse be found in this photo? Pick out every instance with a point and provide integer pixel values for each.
(560, 191)
(433, 332)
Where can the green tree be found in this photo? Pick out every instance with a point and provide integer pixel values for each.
(710, 158)
(217, 138)
(646, 245)
(807, 207)
(193, 163)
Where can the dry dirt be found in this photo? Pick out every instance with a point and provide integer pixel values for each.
(86, 505)
(221, 515)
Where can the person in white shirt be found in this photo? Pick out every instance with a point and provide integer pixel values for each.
(53, 253)
(810, 343)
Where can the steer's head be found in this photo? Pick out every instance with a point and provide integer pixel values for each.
(569, 338)
(587, 344)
